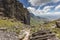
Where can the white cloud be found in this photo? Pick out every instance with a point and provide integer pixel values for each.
(31, 9)
(34, 11)
(57, 7)
(55, 0)
(47, 8)
(41, 12)
(38, 2)
(38, 11)
(57, 13)
(53, 13)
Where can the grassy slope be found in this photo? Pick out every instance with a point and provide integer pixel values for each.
(35, 22)
(38, 26)
(17, 26)
(11, 25)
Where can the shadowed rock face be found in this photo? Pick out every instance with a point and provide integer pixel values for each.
(14, 9)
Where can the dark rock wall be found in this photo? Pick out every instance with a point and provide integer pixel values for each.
(14, 9)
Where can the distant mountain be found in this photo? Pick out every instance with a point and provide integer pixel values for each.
(45, 18)
(50, 17)
(37, 20)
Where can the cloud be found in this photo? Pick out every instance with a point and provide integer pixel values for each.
(31, 9)
(38, 2)
(57, 13)
(57, 7)
(53, 13)
(45, 10)
(55, 0)
(34, 11)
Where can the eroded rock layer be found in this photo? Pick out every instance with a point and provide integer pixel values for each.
(43, 35)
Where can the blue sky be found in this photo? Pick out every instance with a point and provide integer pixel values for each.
(42, 7)
(25, 3)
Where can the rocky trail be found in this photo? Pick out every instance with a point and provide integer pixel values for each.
(40, 35)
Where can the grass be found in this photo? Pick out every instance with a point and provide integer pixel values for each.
(11, 25)
(37, 26)
(16, 26)
(34, 22)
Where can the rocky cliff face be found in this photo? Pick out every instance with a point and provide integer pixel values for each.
(14, 9)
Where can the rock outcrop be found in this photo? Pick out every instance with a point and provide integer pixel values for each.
(58, 24)
(14, 9)
(5, 35)
(43, 35)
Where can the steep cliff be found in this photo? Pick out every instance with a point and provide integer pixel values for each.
(14, 9)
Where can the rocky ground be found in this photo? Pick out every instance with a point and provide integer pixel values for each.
(44, 35)
(8, 35)
(11, 31)
(25, 34)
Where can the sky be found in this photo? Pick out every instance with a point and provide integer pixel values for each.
(42, 7)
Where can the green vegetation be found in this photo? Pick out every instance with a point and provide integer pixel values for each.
(35, 22)
(39, 25)
(16, 26)
(11, 25)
